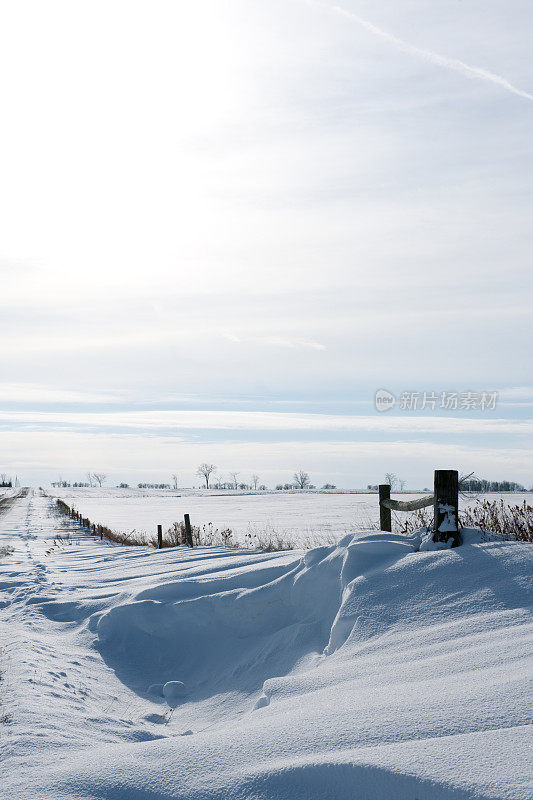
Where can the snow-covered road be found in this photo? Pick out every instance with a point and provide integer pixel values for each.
(362, 670)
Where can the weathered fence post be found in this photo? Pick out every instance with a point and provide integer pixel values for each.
(188, 531)
(446, 506)
(159, 537)
(385, 521)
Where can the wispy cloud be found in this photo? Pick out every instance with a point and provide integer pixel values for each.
(37, 393)
(181, 420)
(517, 396)
(276, 341)
(436, 58)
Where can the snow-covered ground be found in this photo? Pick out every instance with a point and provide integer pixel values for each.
(370, 669)
(307, 519)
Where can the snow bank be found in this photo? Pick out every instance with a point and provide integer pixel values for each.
(370, 669)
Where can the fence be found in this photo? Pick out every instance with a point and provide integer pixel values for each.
(445, 502)
(102, 531)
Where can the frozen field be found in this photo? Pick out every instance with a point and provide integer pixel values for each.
(306, 519)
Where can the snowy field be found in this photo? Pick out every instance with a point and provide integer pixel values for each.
(370, 670)
(306, 519)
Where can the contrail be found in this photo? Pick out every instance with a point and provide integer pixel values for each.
(443, 61)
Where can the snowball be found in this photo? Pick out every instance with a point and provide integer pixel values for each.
(174, 692)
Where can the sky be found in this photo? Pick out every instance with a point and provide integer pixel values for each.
(225, 226)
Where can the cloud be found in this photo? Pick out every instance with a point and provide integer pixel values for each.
(276, 341)
(517, 396)
(429, 55)
(281, 422)
(37, 393)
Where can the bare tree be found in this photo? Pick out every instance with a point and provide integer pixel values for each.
(402, 485)
(204, 471)
(174, 481)
(301, 479)
(235, 482)
(392, 479)
(90, 478)
(254, 483)
(99, 477)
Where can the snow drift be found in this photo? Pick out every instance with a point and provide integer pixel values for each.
(372, 669)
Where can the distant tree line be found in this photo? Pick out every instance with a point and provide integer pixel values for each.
(300, 481)
(467, 484)
(211, 481)
(208, 474)
(93, 479)
(481, 485)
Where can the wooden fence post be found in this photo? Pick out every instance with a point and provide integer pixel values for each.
(159, 537)
(446, 506)
(385, 521)
(188, 531)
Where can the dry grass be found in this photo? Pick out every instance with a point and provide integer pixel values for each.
(268, 538)
(507, 522)
(495, 517)
(202, 535)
